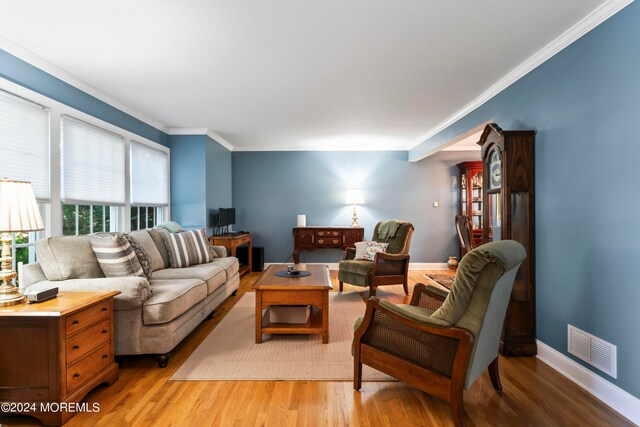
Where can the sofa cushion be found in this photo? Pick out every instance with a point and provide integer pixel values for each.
(156, 235)
(69, 257)
(171, 298)
(229, 264)
(213, 275)
(188, 248)
(144, 238)
(116, 255)
(141, 253)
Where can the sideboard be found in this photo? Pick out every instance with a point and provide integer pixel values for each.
(324, 237)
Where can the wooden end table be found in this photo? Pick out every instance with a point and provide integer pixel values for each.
(55, 352)
(231, 242)
(313, 290)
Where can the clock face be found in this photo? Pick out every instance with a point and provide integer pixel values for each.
(495, 169)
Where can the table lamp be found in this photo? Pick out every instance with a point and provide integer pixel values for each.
(354, 197)
(18, 213)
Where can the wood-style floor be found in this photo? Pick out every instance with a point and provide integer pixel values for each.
(533, 395)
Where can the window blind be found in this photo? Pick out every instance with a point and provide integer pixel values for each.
(24, 143)
(92, 164)
(149, 175)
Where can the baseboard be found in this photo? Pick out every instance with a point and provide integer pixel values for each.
(412, 265)
(610, 394)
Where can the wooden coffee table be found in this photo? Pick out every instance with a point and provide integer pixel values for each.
(311, 290)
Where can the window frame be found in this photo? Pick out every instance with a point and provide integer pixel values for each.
(53, 217)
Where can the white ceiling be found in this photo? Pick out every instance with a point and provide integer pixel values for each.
(292, 74)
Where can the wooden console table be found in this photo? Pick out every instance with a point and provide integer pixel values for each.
(324, 237)
(55, 352)
(231, 242)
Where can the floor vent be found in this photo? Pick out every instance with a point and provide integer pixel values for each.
(593, 350)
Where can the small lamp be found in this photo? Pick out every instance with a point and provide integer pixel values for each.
(354, 197)
(18, 213)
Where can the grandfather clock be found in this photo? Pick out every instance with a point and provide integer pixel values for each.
(508, 212)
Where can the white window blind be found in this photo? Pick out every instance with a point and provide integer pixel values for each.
(149, 175)
(92, 164)
(24, 143)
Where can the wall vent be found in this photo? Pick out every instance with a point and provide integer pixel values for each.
(593, 350)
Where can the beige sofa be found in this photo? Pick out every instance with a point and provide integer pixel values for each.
(151, 317)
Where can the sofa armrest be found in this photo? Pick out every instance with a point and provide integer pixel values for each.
(221, 251)
(134, 291)
(31, 273)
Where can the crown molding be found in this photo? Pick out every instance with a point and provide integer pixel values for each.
(582, 27)
(202, 131)
(49, 68)
(317, 148)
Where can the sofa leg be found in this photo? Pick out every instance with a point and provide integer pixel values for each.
(340, 287)
(210, 316)
(163, 360)
(234, 293)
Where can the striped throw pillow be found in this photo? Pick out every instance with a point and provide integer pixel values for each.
(188, 248)
(115, 255)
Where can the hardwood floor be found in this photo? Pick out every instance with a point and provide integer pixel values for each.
(533, 395)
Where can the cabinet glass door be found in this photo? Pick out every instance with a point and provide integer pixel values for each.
(476, 201)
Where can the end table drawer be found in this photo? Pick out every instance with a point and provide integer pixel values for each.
(87, 340)
(86, 368)
(80, 320)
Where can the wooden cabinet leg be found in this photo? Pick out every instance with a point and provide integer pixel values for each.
(325, 317)
(258, 317)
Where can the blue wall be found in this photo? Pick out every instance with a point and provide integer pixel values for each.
(24, 74)
(200, 179)
(271, 188)
(585, 105)
(218, 175)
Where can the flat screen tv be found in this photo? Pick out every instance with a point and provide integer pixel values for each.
(227, 217)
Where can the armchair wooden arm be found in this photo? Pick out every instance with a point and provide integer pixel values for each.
(389, 269)
(427, 296)
(421, 354)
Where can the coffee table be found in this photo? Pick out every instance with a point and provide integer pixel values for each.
(312, 290)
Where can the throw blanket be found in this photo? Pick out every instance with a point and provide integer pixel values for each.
(171, 226)
(388, 229)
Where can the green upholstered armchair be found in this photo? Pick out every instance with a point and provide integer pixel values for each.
(442, 341)
(390, 268)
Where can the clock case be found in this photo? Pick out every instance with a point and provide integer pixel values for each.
(515, 206)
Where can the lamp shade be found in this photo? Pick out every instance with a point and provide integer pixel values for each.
(354, 197)
(18, 207)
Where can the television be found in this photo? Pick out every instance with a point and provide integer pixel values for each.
(226, 217)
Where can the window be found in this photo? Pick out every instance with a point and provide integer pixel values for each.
(149, 185)
(146, 216)
(88, 219)
(92, 164)
(24, 147)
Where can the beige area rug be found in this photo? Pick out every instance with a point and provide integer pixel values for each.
(230, 353)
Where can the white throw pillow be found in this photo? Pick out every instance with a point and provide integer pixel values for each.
(360, 250)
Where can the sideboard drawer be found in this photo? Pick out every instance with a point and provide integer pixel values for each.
(329, 242)
(86, 368)
(81, 319)
(82, 343)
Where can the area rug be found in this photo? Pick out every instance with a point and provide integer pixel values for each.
(445, 280)
(229, 352)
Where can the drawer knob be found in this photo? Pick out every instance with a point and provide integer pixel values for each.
(105, 331)
(104, 356)
(321, 241)
(76, 347)
(335, 240)
(76, 375)
(75, 322)
(104, 308)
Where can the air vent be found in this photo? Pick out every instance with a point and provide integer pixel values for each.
(593, 350)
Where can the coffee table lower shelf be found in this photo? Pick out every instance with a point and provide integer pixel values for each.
(312, 326)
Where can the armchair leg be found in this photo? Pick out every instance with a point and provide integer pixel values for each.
(405, 285)
(340, 287)
(457, 409)
(494, 374)
(357, 374)
(372, 291)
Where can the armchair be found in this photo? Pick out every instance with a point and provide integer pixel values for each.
(465, 234)
(390, 268)
(442, 341)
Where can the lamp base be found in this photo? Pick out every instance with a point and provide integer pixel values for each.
(7, 300)
(354, 222)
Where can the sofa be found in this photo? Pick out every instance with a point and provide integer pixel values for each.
(150, 316)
